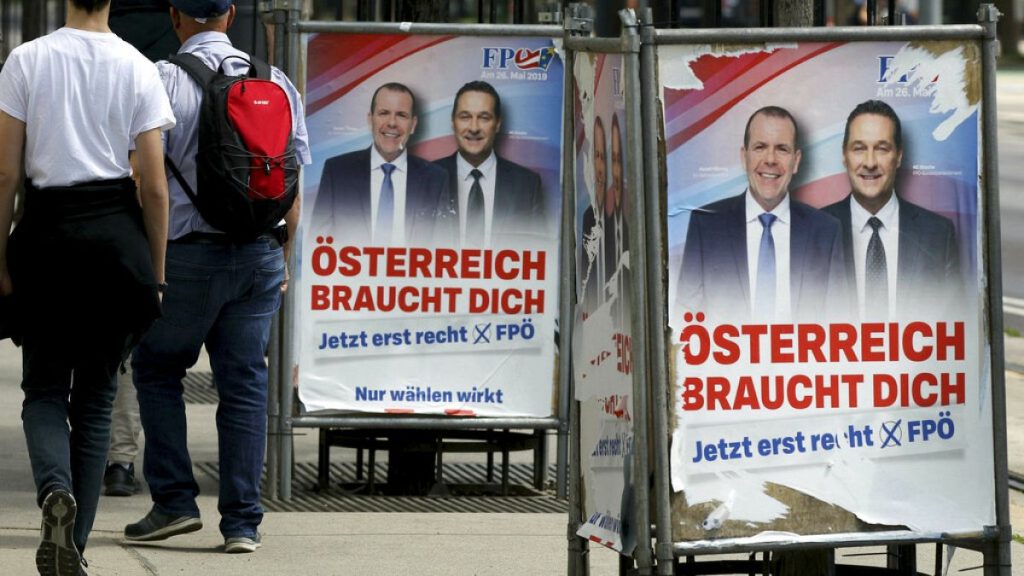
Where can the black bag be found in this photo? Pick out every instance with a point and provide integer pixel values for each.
(246, 167)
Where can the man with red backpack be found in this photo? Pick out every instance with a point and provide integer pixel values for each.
(224, 284)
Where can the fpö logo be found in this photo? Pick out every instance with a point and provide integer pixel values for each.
(533, 59)
(887, 73)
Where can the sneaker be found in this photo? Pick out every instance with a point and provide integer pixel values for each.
(57, 554)
(119, 480)
(159, 526)
(242, 544)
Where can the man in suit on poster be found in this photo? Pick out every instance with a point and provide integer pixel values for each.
(761, 255)
(904, 258)
(617, 239)
(591, 258)
(497, 201)
(355, 186)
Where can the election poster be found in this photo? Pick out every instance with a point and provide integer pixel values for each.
(429, 246)
(602, 333)
(830, 362)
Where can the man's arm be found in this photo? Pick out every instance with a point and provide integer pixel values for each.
(12, 140)
(149, 153)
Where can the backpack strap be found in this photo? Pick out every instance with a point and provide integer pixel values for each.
(180, 178)
(261, 67)
(257, 68)
(195, 67)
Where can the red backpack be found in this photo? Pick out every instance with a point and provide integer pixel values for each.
(246, 167)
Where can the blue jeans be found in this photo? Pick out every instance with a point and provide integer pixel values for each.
(224, 296)
(69, 386)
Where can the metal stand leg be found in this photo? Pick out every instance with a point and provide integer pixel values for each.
(903, 559)
(540, 460)
(324, 462)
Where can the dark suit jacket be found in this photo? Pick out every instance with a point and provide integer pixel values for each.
(518, 201)
(928, 272)
(594, 287)
(342, 206)
(714, 277)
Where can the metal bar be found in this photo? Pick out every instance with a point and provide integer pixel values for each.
(836, 34)
(567, 285)
(494, 11)
(658, 307)
(820, 541)
(638, 304)
(872, 12)
(602, 45)
(480, 11)
(894, 13)
(395, 422)
(273, 409)
(431, 28)
(280, 20)
(819, 12)
(577, 557)
(988, 16)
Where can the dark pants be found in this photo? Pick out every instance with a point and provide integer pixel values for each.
(84, 287)
(69, 389)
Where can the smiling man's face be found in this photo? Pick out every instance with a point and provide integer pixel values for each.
(872, 160)
(391, 122)
(475, 125)
(770, 159)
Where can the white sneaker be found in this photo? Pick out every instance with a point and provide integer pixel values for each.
(242, 544)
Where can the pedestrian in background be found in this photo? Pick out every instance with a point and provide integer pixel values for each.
(146, 25)
(85, 263)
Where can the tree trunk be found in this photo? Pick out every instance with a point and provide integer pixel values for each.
(794, 13)
(1009, 28)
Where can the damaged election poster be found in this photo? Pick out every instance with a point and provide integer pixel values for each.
(602, 334)
(429, 247)
(829, 358)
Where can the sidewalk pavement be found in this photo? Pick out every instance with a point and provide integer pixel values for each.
(364, 544)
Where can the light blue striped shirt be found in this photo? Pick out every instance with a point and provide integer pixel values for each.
(182, 143)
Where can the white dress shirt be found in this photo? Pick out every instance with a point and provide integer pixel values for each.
(889, 233)
(780, 234)
(399, 176)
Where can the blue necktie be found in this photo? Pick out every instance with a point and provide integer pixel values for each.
(385, 208)
(764, 295)
(475, 212)
(876, 276)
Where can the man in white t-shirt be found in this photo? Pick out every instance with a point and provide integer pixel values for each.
(85, 264)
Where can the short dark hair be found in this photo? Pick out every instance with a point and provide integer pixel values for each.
(479, 86)
(90, 5)
(394, 87)
(878, 108)
(771, 112)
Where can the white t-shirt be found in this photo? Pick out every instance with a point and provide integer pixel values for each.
(84, 97)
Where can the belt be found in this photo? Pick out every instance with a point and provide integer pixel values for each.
(276, 236)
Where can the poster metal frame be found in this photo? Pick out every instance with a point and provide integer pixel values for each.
(293, 64)
(992, 541)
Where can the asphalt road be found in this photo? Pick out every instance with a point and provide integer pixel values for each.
(1010, 110)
